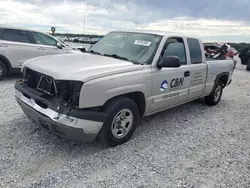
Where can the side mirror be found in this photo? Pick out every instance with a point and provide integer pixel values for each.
(169, 61)
(59, 45)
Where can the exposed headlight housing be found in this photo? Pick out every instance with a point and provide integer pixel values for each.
(69, 91)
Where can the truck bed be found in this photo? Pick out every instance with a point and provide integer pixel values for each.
(211, 59)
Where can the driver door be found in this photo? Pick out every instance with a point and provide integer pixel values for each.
(170, 85)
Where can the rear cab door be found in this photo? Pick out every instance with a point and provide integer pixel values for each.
(171, 85)
(16, 45)
(45, 45)
(197, 67)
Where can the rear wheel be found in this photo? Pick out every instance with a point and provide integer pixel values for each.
(215, 96)
(3, 70)
(121, 122)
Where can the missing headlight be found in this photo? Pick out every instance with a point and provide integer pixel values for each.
(69, 91)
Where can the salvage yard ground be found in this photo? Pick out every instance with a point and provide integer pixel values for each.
(192, 145)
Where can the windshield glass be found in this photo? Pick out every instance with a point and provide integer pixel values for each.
(134, 47)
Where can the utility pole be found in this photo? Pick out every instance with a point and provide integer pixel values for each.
(84, 24)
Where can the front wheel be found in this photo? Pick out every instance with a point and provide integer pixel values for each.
(215, 96)
(121, 122)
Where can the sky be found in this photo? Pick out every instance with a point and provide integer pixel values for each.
(211, 20)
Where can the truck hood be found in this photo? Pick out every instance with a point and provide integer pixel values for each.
(81, 67)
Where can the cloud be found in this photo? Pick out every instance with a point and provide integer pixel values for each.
(207, 19)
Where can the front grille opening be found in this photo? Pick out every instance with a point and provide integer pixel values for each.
(32, 78)
(40, 82)
(66, 91)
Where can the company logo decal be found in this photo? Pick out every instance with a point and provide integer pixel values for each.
(164, 86)
(176, 82)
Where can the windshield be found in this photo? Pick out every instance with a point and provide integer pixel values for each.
(135, 47)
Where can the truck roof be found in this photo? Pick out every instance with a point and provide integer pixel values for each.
(155, 32)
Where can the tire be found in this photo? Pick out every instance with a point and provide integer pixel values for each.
(3, 70)
(248, 66)
(115, 125)
(214, 97)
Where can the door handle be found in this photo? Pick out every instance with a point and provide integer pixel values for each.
(187, 73)
(40, 48)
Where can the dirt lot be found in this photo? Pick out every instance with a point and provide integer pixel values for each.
(192, 145)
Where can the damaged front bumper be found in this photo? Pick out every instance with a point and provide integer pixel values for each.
(77, 125)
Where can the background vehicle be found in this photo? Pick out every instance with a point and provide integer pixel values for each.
(126, 75)
(18, 45)
(248, 67)
(220, 51)
(212, 50)
(245, 56)
(235, 52)
(61, 38)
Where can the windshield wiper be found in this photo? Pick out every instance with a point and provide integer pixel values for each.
(94, 52)
(116, 56)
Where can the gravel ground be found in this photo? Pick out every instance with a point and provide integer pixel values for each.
(192, 145)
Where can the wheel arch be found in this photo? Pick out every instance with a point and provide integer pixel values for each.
(137, 96)
(223, 77)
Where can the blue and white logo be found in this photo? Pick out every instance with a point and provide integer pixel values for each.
(164, 86)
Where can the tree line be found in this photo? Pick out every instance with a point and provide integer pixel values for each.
(240, 46)
(78, 35)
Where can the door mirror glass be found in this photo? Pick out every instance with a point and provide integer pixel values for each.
(169, 61)
(59, 45)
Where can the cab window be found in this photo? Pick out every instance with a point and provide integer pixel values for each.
(175, 47)
(195, 51)
(44, 39)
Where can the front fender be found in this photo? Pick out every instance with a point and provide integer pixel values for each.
(97, 92)
(95, 96)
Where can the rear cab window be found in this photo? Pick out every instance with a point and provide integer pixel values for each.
(194, 50)
(15, 35)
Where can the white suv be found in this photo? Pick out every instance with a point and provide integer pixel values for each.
(18, 45)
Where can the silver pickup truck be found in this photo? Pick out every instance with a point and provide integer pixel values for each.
(127, 75)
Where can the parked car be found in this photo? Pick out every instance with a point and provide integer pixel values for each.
(61, 38)
(79, 46)
(94, 40)
(245, 56)
(126, 75)
(248, 67)
(18, 45)
(76, 39)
